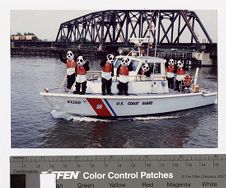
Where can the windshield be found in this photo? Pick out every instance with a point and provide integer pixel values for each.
(157, 69)
(134, 64)
(117, 62)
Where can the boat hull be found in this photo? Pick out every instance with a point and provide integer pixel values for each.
(124, 106)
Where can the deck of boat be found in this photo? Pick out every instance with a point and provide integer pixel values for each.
(172, 93)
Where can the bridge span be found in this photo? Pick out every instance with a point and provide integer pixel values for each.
(116, 27)
(179, 34)
(112, 29)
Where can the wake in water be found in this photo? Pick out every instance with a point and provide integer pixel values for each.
(155, 117)
(69, 117)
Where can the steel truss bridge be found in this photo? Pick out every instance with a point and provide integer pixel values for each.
(114, 28)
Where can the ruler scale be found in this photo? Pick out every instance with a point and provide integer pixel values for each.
(129, 171)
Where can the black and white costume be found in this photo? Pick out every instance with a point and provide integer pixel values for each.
(81, 70)
(170, 73)
(106, 75)
(145, 70)
(123, 76)
(70, 62)
(180, 76)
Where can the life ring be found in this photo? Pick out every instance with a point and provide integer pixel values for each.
(187, 80)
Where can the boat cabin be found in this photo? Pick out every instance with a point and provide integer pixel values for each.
(139, 83)
(156, 66)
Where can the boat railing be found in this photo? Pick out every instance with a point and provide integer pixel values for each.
(62, 83)
(92, 75)
(148, 78)
(134, 53)
(95, 75)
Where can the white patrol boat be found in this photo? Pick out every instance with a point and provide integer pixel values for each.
(147, 94)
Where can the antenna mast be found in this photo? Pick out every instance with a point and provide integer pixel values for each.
(156, 27)
(150, 27)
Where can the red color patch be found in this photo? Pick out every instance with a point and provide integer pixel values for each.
(99, 107)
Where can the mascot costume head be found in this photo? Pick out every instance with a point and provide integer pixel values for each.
(110, 58)
(80, 61)
(180, 64)
(145, 67)
(125, 62)
(145, 70)
(171, 63)
(70, 55)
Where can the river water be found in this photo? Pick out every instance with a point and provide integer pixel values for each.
(35, 124)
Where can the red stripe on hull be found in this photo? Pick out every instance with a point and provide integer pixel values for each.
(99, 107)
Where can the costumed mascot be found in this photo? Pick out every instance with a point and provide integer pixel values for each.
(71, 64)
(107, 73)
(81, 71)
(170, 70)
(145, 70)
(123, 76)
(180, 76)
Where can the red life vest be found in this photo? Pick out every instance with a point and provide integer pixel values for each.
(124, 70)
(81, 70)
(180, 71)
(107, 67)
(169, 69)
(71, 63)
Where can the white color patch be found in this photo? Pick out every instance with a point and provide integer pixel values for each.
(47, 180)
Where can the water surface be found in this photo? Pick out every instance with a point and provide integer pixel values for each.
(35, 124)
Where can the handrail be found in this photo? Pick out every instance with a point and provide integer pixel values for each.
(94, 71)
(138, 77)
(62, 83)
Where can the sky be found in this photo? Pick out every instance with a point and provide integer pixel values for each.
(45, 23)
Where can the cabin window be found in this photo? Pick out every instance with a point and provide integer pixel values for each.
(157, 69)
(117, 62)
(134, 64)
